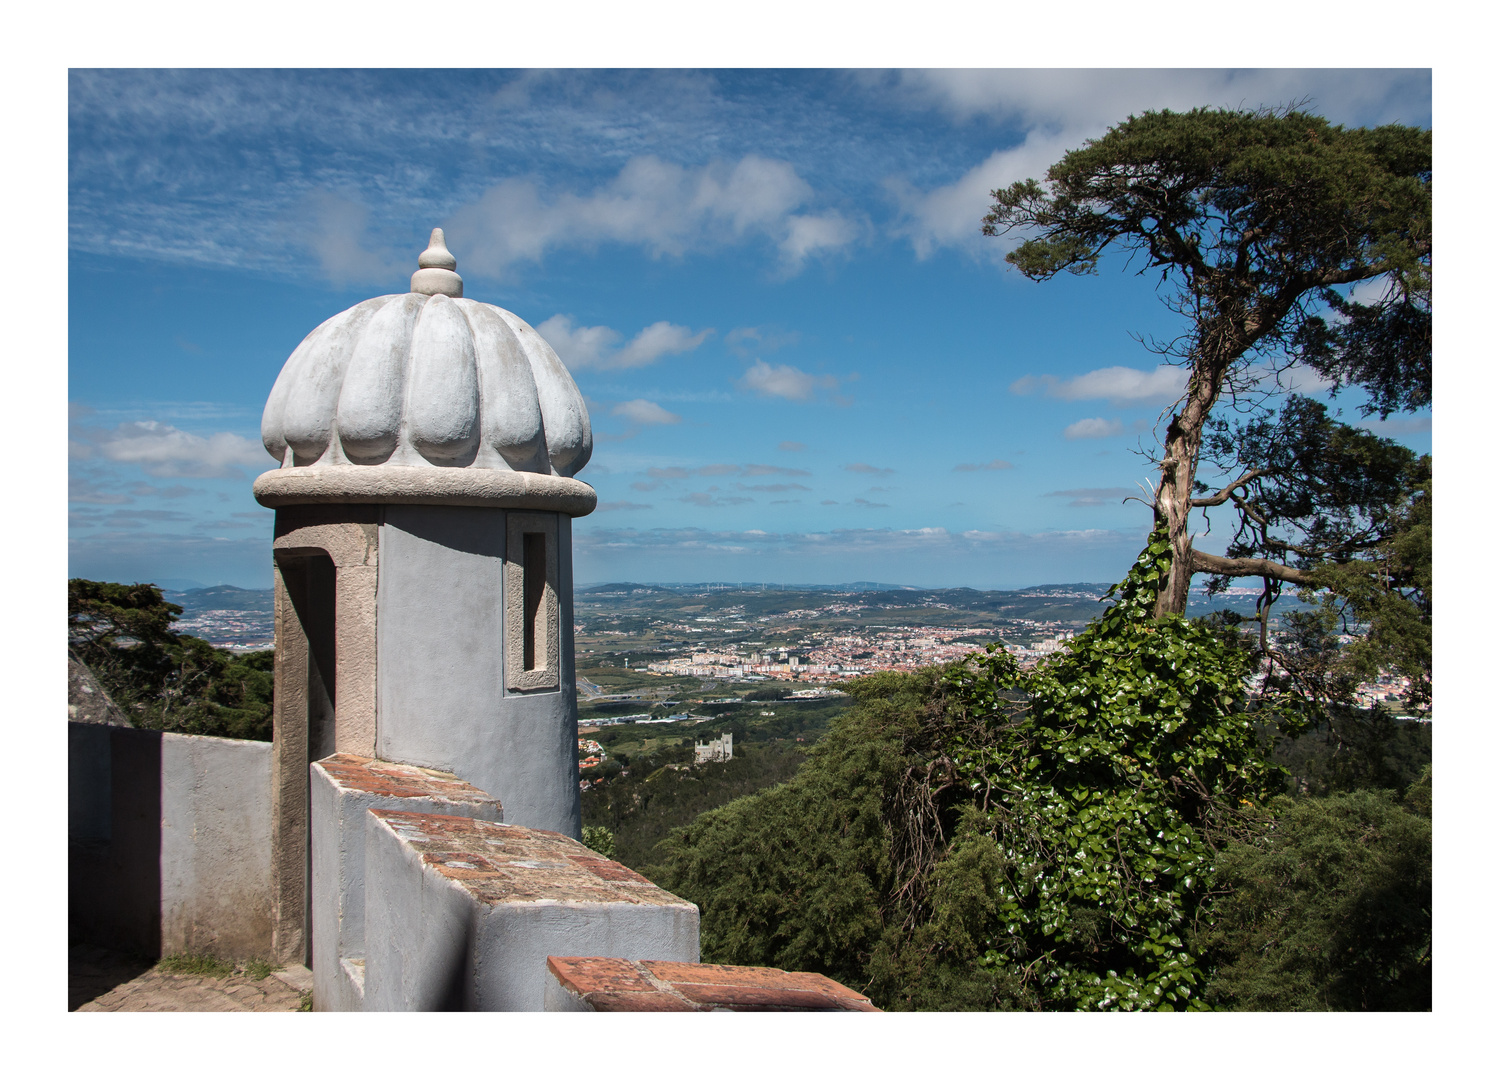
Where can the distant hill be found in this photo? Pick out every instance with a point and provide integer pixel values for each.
(1068, 600)
(177, 584)
(626, 588)
(222, 598)
(1071, 602)
(1091, 588)
(619, 588)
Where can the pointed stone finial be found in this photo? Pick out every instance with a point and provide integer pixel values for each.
(437, 253)
(436, 275)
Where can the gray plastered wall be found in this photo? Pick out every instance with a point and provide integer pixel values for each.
(443, 699)
(417, 637)
(170, 842)
(215, 846)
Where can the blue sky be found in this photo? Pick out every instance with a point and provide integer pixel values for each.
(802, 361)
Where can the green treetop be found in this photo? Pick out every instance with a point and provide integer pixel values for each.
(1258, 222)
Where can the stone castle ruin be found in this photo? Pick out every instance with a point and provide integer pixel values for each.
(720, 749)
(411, 834)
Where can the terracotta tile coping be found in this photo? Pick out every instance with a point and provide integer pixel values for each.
(507, 864)
(608, 984)
(374, 777)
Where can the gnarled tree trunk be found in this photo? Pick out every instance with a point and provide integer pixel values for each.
(1179, 464)
(1222, 343)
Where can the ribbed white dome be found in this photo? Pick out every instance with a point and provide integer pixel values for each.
(427, 378)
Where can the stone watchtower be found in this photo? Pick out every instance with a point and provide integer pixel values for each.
(423, 558)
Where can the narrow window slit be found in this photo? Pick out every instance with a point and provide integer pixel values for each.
(535, 618)
(532, 614)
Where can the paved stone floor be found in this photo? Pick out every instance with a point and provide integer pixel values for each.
(103, 981)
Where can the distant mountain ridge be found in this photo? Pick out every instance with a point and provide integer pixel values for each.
(226, 598)
(643, 587)
(222, 598)
(1068, 588)
(234, 598)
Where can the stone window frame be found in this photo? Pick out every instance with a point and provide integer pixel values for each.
(548, 676)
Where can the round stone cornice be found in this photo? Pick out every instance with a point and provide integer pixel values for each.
(406, 484)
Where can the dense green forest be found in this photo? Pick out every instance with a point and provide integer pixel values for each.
(1115, 829)
(648, 785)
(160, 679)
(665, 792)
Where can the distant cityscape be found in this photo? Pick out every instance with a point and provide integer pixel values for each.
(832, 657)
(239, 631)
(823, 643)
(851, 655)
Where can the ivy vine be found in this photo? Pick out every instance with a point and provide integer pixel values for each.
(1125, 762)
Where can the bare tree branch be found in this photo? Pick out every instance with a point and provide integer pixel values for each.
(1204, 563)
(1225, 492)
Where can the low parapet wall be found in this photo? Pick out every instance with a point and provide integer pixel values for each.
(461, 914)
(169, 842)
(423, 900)
(344, 788)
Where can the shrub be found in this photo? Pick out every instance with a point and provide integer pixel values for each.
(1330, 907)
(163, 680)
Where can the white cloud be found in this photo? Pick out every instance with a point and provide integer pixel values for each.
(582, 347)
(1124, 386)
(1296, 379)
(83, 490)
(810, 234)
(709, 499)
(578, 346)
(1060, 110)
(1092, 496)
(776, 470)
(775, 489)
(1120, 385)
(1089, 101)
(846, 549)
(202, 166)
(664, 207)
(658, 340)
(162, 450)
(336, 230)
(1093, 428)
(641, 411)
(784, 381)
(743, 340)
(1371, 291)
(1396, 426)
(949, 215)
(678, 472)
